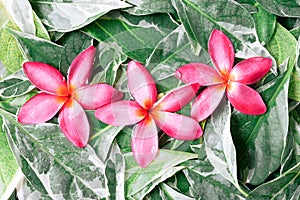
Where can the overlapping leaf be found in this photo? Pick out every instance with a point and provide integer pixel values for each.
(261, 138)
(52, 164)
(219, 146)
(65, 16)
(172, 52)
(138, 178)
(8, 166)
(208, 183)
(15, 85)
(200, 17)
(288, 8)
(283, 46)
(38, 49)
(286, 186)
(134, 36)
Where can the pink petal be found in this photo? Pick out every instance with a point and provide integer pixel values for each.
(121, 113)
(251, 70)
(144, 142)
(177, 126)
(141, 84)
(46, 77)
(221, 52)
(74, 123)
(80, 69)
(177, 99)
(40, 108)
(198, 73)
(94, 96)
(207, 101)
(245, 99)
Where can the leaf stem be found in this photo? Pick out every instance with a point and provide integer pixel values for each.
(100, 132)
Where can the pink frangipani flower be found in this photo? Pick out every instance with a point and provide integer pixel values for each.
(147, 113)
(69, 98)
(225, 78)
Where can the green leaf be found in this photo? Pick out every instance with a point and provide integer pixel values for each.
(219, 146)
(15, 85)
(286, 186)
(108, 61)
(142, 193)
(146, 7)
(261, 138)
(296, 31)
(3, 17)
(294, 92)
(41, 31)
(138, 178)
(38, 49)
(265, 24)
(200, 17)
(291, 155)
(65, 16)
(115, 173)
(133, 36)
(169, 193)
(172, 52)
(74, 43)
(288, 8)
(52, 164)
(21, 13)
(10, 54)
(208, 183)
(9, 174)
(27, 191)
(282, 46)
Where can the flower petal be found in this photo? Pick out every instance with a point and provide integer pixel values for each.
(221, 52)
(80, 69)
(144, 142)
(207, 101)
(94, 96)
(198, 73)
(40, 108)
(141, 84)
(177, 99)
(245, 99)
(251, 70)
(121, 113)
(74, 123)
(46, 78)
(177, 126)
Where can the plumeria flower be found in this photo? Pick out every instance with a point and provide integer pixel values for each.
(223, 77)
(147, 113)
(68, 97)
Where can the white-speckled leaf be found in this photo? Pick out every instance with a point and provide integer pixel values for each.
(65, 16)
(52, 164)
(138, 178)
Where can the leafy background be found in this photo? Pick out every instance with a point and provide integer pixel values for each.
(239, 157)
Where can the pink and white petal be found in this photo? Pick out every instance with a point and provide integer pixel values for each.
(80, 69)
(221, 52)
(74, 123)
(251, 70)
(245, 99)
(198, 73)
(40, 108)
(46, 78)
(121, 113)
(177, 126)
(177, 99)
(207, 101)
(141, 84)
(144, 141)
(95, 96)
